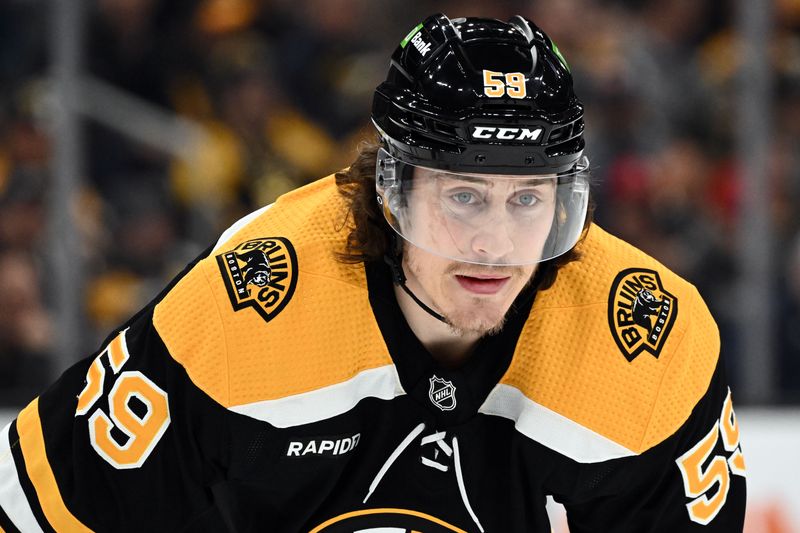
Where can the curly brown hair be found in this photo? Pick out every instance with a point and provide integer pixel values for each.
(369, 236)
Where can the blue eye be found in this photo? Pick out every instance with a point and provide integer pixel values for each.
(526, 199)
(463, 197)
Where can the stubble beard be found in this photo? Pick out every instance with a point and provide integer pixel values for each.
(470, 321)
(473, 318)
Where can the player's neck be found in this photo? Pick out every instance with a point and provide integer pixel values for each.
(448, 347)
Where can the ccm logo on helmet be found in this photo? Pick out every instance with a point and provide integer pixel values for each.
(506, 134)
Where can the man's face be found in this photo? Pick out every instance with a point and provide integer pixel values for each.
(482, 219)
(474, 299)
(477, 218)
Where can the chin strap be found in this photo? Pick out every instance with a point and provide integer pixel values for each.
(395, 261)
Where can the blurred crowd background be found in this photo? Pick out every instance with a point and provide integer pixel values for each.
(280, 91)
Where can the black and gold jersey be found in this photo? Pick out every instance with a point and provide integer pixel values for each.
(273, 388)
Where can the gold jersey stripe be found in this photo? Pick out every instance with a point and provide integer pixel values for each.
(31, 441)
(404, 512)
(118, 352)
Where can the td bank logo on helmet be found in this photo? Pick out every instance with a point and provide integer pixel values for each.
(421, 46)
(504, 133)
(641, 312)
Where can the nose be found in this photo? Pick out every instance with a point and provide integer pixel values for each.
(492, 242)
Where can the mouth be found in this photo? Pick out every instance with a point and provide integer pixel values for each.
(482, 284)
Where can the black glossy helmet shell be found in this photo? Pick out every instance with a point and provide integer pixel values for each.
(480, 95)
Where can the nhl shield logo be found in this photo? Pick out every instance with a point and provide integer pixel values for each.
(261, 274)
(640, 312)
(442, 393)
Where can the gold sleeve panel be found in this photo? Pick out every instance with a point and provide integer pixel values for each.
(189, 321)
(322, 334)
(687, 378)
(568, 361)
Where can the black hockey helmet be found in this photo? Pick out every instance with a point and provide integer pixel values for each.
(481, 157)
(480, 95)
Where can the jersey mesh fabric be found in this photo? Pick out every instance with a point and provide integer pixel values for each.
(571, 351)
(326, 334)
(190, 324)
(683, 379)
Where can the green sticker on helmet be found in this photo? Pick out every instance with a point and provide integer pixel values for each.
(560, 57)
(411, 34)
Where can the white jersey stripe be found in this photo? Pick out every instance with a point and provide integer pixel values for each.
(239, 224)
(12, 497)
(327, 402)
(551, 429)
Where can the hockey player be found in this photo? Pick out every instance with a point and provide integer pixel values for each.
(466, 344)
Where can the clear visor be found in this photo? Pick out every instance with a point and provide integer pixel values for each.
(484, 219)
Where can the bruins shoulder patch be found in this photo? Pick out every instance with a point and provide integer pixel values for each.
(260, 273)
(640, 312)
